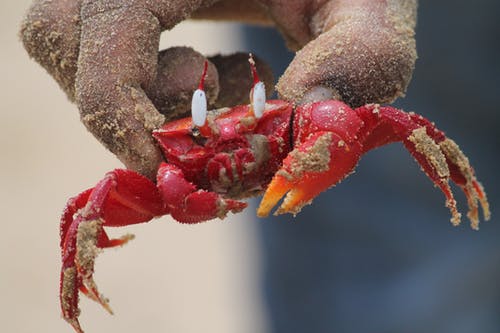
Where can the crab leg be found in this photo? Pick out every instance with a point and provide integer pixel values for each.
(123, 197)
(440, 157)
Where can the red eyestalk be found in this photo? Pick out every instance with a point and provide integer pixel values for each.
(254, 70)
(203, 76)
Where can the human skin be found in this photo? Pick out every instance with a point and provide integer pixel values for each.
(104, 55)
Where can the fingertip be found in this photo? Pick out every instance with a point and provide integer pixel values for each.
(363, 65)
(179, 71)
(320, 93)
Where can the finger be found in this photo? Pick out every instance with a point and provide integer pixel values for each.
(365, 52)
(179, 71)
(292, 18)
(118, 56)
(117, 65)
(51, 34)
(236, 80)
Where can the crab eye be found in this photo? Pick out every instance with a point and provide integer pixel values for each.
(199, 107)
(199, 101)
(258, 99)
(258, 92)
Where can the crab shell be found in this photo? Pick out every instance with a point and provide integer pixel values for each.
(234, 154)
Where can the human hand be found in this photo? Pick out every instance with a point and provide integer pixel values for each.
(104, 54)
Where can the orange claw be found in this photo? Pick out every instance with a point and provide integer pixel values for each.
(275, 191)
(316, 164)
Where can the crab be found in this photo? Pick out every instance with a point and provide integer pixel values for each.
(214, 159)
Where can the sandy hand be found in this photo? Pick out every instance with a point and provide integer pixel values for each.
(104, 54)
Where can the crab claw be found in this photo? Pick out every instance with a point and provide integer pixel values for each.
(312, 167)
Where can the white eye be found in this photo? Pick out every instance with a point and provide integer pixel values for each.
(259, 99)
(199, 107)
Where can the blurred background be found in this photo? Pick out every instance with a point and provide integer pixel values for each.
(375, 254)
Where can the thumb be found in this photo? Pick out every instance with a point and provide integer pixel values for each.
(366, 54)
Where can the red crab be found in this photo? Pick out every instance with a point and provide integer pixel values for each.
(216, 159)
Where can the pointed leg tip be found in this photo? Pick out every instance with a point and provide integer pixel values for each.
(118, 241)
(235, 206)
(225, 206)
(75, 324)
(129, 237)
(105, 305)
(474, 223)
(483, 199)
(485, 205)
(92, 292)
(126, 238)
(486, 210)
(456, 219)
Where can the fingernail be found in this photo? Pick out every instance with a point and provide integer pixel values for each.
(319, 93)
